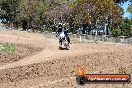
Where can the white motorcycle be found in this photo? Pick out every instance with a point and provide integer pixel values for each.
(64, 43)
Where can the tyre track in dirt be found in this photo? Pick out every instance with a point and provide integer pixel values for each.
(50, 70)
(53, 68)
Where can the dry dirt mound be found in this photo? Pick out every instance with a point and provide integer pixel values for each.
(22, 51)
(60, 73)
(52, 68)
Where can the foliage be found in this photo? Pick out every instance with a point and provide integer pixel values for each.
(88, 13)
(129, 9)
(8, 9)
(126, 27)
(31, 11)
(7, 47)
(116, 32)
(42, 7)
(96, 12)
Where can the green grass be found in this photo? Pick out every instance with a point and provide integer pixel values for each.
(8, 47)
(1, 48)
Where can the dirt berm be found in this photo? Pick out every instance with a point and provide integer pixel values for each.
(53, 68)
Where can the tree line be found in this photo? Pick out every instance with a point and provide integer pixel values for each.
(89, 14)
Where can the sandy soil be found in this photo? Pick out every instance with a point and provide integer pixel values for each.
(22, 51)
(53, 68)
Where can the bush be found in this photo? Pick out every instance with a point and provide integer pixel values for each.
(116, 32)
(9, 48)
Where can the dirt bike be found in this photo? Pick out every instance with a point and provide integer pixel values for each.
(64, 42)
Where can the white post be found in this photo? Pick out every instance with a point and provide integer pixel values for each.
(80, 38)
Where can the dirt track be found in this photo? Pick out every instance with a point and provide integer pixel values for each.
(53, 68)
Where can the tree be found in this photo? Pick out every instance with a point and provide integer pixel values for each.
(31, 11)
(90, 13)
(8, 9)
(61, 11)
(126, 27)
(58, 11)
(116, 32)
(129, 9)
(96, 11)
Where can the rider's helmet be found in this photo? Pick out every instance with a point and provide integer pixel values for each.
(60, 25)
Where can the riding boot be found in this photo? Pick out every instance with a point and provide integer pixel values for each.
(60, 41)
(68, 39)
